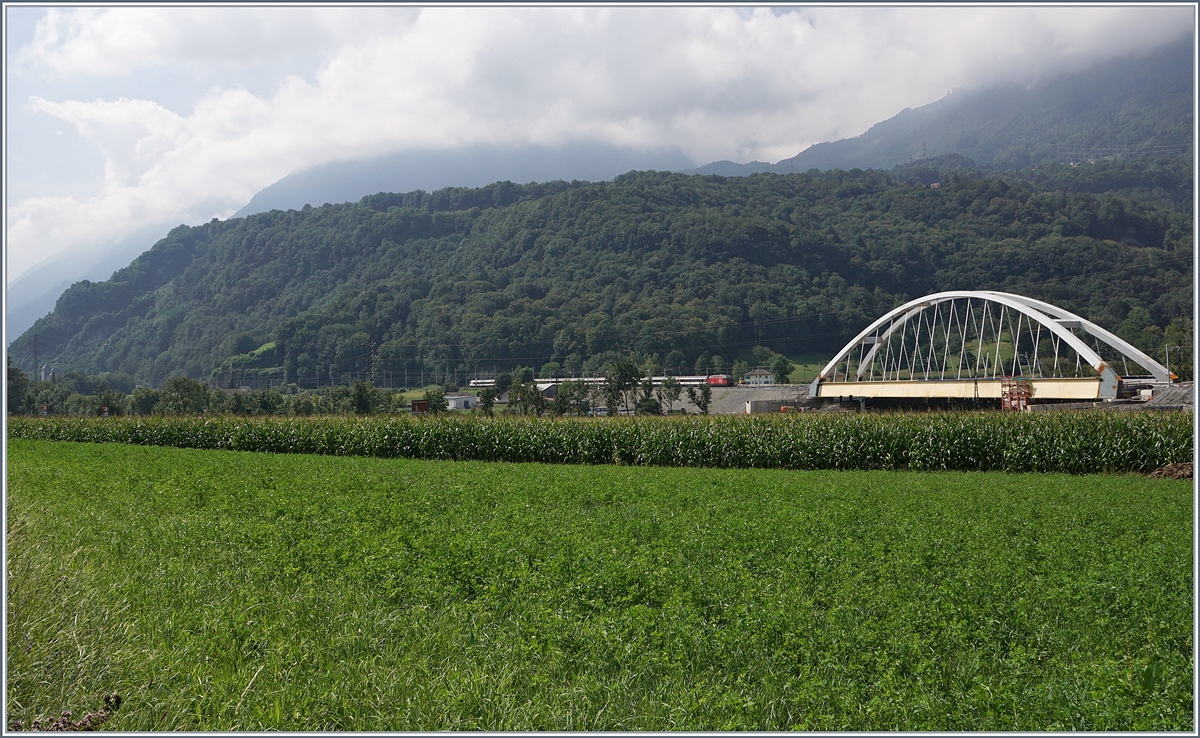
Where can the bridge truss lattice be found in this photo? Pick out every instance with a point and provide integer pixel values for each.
(973, 336)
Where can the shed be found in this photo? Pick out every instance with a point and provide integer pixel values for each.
(461, 401)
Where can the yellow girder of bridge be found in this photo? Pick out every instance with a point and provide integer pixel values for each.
(1071, 388)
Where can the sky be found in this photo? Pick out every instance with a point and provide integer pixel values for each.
(119, 119)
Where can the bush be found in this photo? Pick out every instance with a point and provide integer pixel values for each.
(182, 396)
(143, 400)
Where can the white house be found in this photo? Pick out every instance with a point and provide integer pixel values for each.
(461, 401)
(758, 378)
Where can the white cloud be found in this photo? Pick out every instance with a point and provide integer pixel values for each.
(100, 42)
(716, 82)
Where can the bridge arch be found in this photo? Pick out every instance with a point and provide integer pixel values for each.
(937, 345)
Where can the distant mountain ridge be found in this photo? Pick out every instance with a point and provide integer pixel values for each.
(1139, 107)
(1124, 109)
(471, 166)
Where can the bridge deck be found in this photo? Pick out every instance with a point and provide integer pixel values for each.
(1083, 388)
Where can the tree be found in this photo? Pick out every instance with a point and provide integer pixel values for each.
(668, 393)
(702, 362)
(612, 398)
(739, 369)
(182, 396)
(50, 395)
(621, 383)
(18, 389)
(550, 370)
(700, 397)
(648, 406)
(560, 405)
(647, 403)
(143, 400)
(781, 368)
(504, 380)
(303, 404)
(365, 400)
(762, 355)
(763, 277)
(436, 397)
(573, 397)
(243, 343)
(116, 402)
(1179, 340)
(652, 367)
(487, 400)
(526, 399)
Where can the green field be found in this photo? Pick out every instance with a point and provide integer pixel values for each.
(1074, 443)
(232, 590)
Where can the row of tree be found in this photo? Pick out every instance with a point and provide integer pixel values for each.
(627, 389)
(185, 396)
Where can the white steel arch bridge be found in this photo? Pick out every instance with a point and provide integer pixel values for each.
(971, 344)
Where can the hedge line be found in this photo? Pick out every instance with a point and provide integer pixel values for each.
(1075, 443)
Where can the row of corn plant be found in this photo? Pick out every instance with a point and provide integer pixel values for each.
(1075, 443)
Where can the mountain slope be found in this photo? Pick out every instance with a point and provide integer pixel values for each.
(571, 272)
(472, 166)
(1128, 109)
(1134, 107)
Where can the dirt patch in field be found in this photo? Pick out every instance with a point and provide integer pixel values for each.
(1182, 470)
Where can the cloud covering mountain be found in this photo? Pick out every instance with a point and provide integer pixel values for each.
(181, 114)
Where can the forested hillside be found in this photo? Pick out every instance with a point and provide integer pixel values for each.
(651, 262)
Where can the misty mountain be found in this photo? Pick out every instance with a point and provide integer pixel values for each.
(472, 166)
(33, 294)
(1134, 107)
(1123, 110)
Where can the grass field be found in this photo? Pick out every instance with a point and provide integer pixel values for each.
(807, 366)
(232, 590)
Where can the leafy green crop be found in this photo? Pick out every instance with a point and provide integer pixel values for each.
(237, 591)
(1074, 443)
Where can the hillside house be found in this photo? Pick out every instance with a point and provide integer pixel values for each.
(758, 378)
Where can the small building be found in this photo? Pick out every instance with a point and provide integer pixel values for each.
(935, 186)
(420, 407)
(758, 407)
(758, 378)
(461, 401)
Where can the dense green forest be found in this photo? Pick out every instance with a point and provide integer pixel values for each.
(652, 262)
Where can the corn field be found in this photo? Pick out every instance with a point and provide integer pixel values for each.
(1074, 443)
